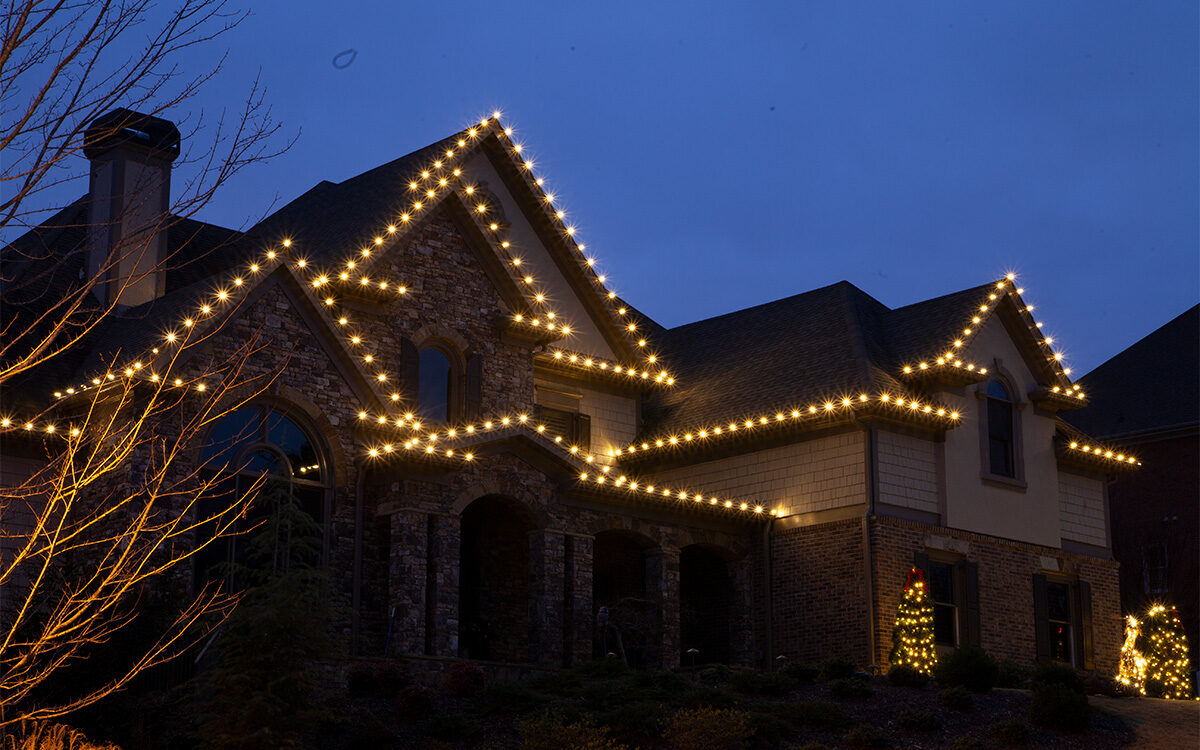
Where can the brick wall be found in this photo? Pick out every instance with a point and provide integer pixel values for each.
(1081, 505)
(907, 471)
(828, 472)
(1006, 570)
(819, 593)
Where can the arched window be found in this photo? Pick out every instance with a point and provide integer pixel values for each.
(434, 389)
(1000, 430)
(242, 447)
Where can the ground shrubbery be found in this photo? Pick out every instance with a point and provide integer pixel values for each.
(715, 728)
(915, 720)
(865, 735)
(957, 698)
(850, 689)
(1012, 732)
(970, 667)
(762, 683)
(551, 731)
(463, 678)
(1059, 700)
(903, 675)
(837, 669)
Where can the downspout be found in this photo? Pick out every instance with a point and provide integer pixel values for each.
(769, 614)
(357, 586)
(868, 566)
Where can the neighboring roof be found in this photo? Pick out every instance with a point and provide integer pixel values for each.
(1152, 386)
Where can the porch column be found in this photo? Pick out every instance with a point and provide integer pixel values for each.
(579, 620)
(741, 605)
(546, 597)
(442, 580)
(407, 560)
(662, 583)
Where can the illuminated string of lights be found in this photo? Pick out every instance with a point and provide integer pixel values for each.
(790, 416)
(912, 635)
(1163, 644)
(1131, 667)
(601, 478)
(952, 357)
(1101, 452)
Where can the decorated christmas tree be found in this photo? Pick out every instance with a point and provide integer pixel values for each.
(1164, 645)
(912, 638)
(1131, 671)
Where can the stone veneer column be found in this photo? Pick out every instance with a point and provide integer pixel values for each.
(407, 559)
(662, 574)
(446, 559)
(579, 633)
(546, 597)
(741, 607)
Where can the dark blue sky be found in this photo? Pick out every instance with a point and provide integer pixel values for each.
(720, 155)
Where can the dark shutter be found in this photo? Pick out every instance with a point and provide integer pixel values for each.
(410, 373)
(473, 398)
(1084, 652)
(1041, 617)
(967, 575)
(583, 431)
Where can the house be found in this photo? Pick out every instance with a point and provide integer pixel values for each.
(513, 464)
(1148, 398)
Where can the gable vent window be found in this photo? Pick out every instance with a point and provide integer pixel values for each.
(1001, 447)
(1154, 568)
(575, 428)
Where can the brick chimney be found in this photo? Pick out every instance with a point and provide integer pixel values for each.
(130, 196)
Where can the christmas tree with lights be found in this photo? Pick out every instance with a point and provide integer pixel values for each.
(912, 637)
(1131, 672)
(1164, 645)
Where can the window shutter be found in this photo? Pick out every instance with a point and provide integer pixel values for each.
(583, 431)
(410, 372)
(967, 574)
(474, 386)
(1041, 617)
(1084, 651)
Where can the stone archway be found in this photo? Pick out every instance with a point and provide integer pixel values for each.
(706, 598)
(494, 580)
(626, 597)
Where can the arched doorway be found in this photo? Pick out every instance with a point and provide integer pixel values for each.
(493, 599)
(705, 598)
(627, 605)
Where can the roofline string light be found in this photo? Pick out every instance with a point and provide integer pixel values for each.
(621, 483)
(914, 406)
(1103, 452)
(953, 355)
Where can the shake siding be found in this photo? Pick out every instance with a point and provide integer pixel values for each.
(803, 477)
(1081, 506)
(907, 472)
(614, 422)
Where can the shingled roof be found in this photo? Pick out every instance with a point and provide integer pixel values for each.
(1152, 386)
(820, 345)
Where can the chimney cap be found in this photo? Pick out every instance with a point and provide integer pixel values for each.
(126, 128)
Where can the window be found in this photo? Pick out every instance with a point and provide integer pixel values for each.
(241, 448)
(1000, 432)
(434, 386)
(945, 605)
(1154, 568)
(1062, 611)
(1058, 612)
(575, 428)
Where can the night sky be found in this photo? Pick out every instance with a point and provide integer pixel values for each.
(721, 155)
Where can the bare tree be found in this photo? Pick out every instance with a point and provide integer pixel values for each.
(118, 491)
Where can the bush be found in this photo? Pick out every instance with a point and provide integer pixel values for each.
(1054, 673)
(761, 683)
(769, 730)
(602, 668)
(414, 702)
(707, 697)
(865, 735)
(970, 667)
(452, 728)
(463, 678)
(45, 736)
(662, 681)
(968, 743)
(607, 695)
(851, 689)
(1058, 706)
(383, 679)
(1013, 675)
(957, 698)
(816, 714)
(837, 669)
(510, 698)
(556, 683)
(715, 728)
(814, 746)
(715, 675)
(802, 673)
(917, 721)
(1099, 684)
(633, 722)
(903, 675)
(554, 732)
(1012, 732)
